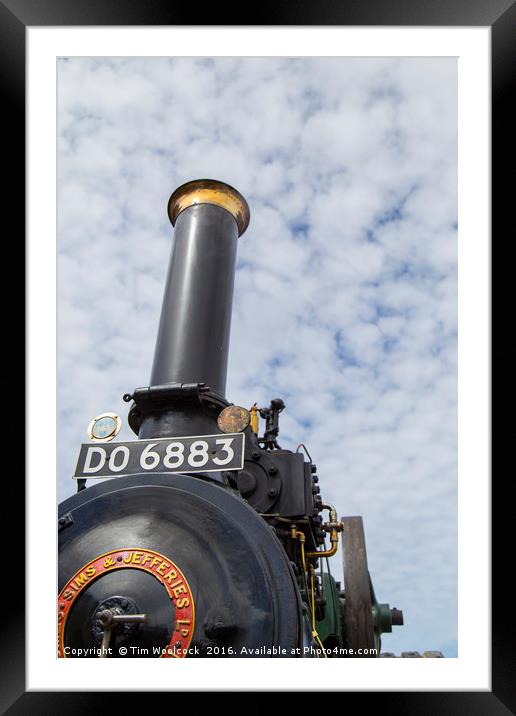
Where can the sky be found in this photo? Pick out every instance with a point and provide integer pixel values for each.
(345, 299)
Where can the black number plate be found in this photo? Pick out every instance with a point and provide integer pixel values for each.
(203, 453)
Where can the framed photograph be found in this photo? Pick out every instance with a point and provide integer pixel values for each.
(349, 156)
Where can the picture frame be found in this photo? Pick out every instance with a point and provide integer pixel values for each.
(500, 16)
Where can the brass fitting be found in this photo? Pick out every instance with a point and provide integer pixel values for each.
(254, 419)
(334, 526)
(297, 534)
(210, 191)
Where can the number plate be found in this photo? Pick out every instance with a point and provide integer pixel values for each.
(204, 453)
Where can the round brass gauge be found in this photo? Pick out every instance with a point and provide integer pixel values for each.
(104, 427)
(233, 419)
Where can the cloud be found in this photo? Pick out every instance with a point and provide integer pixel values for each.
(346, 288)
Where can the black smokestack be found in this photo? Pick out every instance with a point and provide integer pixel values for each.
(193, 337)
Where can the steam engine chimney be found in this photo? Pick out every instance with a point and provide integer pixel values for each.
(188, 379)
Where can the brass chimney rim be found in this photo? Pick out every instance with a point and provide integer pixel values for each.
(210, 191)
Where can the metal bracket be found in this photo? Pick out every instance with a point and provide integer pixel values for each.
(169, 392)
(64, 521)
(157, 398)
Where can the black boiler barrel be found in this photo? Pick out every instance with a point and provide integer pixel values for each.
(193, 338)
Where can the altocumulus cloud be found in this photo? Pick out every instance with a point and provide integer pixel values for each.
(346, 287)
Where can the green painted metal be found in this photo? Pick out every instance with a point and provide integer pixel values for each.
(382, 618)
(331, 625)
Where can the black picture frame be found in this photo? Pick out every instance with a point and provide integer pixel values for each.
(15, 17)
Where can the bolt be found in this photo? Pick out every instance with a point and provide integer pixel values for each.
(273, 470)
(62, 520)
(272, 492)
(255, 455)
(396, 617)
